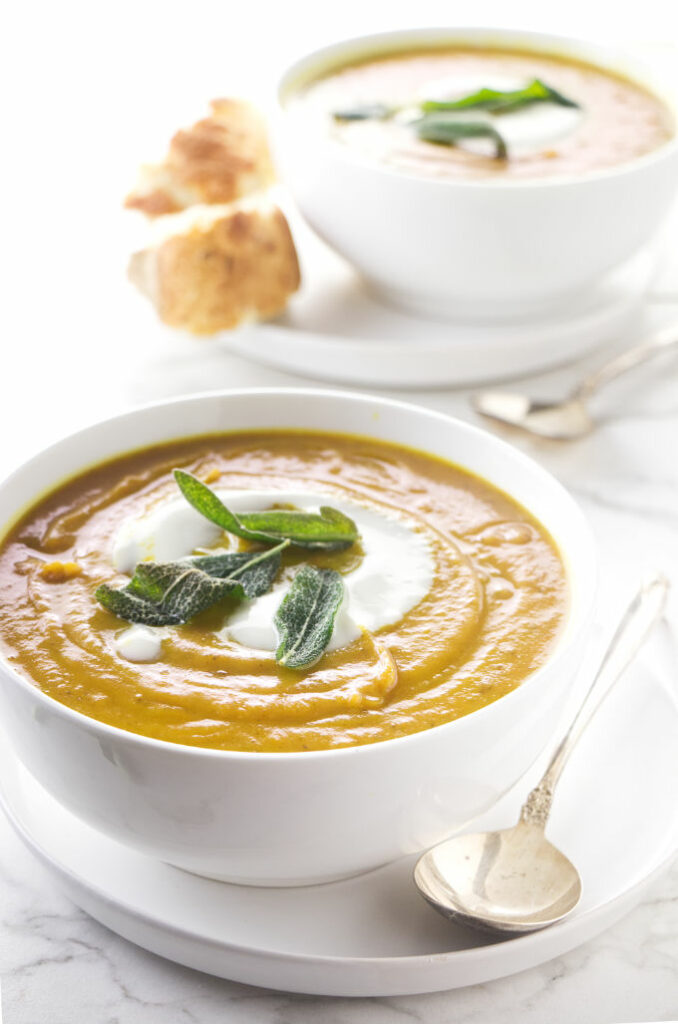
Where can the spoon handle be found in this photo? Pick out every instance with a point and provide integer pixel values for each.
(644, 611)
(661, 341)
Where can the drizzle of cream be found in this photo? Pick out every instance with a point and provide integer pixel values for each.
(139, 643)
(394, 575)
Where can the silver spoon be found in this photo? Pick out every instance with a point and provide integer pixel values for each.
(569, 418)
(515, 880)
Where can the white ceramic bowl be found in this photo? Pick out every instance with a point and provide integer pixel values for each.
(475, 250)
(293, 818)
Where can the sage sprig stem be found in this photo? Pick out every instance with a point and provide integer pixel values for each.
(367, 112)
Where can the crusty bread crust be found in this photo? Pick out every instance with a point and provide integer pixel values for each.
(227, 266)
(218, 160)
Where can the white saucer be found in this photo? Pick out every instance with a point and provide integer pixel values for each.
(335, 330)
(615, 815)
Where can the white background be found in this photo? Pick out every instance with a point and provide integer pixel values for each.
(88, 91)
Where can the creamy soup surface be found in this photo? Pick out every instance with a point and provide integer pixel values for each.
(617, 120)
(469, 587)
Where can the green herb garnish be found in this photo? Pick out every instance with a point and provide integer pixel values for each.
(368, 112)
(445, 130)
(170, 593)
(305, 618)
(253, 570)
(329, 531)
(497, 102)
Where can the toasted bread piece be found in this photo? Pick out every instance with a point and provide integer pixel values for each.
(216, 267)
(220, 159)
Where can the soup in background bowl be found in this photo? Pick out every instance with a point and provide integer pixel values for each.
(470, 590)
(513, 217)
(583, 118)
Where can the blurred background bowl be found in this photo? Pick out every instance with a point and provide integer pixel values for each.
(481, 249)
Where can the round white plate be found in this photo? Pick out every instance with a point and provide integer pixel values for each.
(335, 330)
(615, 815)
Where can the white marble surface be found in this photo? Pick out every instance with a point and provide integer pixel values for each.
(97, 91)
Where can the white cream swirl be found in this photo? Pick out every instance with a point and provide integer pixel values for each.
(394, 575)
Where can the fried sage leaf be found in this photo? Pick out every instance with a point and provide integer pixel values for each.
(305, 618)
(368, 112)
(445, 130)
(253, 570)
(182, 593)
(329, 531)
(170, 593)
(502, 102)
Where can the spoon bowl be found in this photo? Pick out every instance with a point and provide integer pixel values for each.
(559, 421)
(509, 881)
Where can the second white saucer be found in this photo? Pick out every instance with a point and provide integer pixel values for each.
(335, 330)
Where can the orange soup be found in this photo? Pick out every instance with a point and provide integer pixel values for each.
(578, 118)
(453, 595)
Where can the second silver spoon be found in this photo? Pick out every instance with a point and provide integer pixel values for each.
(569, 418)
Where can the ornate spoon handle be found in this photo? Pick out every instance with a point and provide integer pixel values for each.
(642, 614)
(662, 341)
